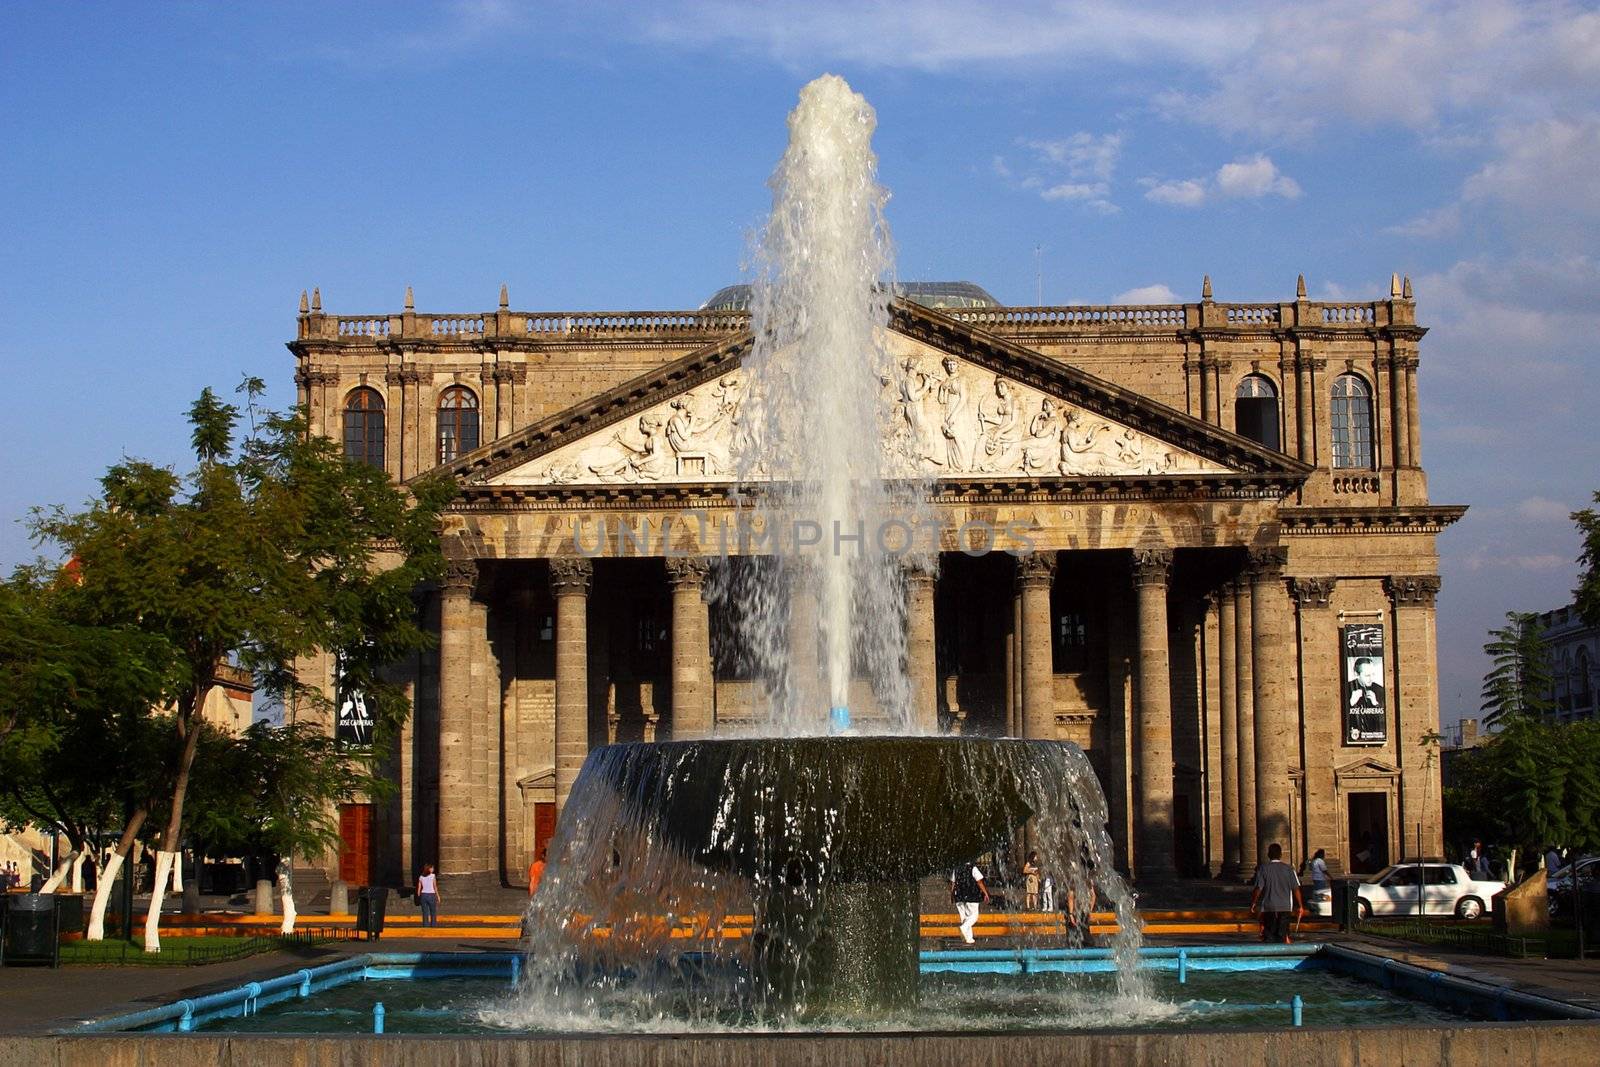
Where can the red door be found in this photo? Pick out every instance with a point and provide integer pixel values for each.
(544, 825)
(355, 844)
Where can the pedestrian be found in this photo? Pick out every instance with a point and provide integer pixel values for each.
(536, 872)
(1030, 880)
(1319, 871)
(428, 895)
(1552, 861)
(1277, 896)
(1477, 864)
(1047, 893)
(968, 891)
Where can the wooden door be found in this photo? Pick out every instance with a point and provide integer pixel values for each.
(544, 825)
(355, 844)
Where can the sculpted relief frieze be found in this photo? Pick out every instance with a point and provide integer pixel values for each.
(945, 418)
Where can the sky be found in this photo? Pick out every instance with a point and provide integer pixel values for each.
(173, 175)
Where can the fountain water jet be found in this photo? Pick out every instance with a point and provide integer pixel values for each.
(821, 840)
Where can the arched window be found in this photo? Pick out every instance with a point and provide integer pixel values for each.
(1351, 420)
(363, 426)
(458, 423)
(1255, 410)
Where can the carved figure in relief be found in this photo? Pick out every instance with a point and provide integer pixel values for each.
(915, 440)
(1082, 450)
(1041, 450)
(999, 429)
(952, 398)
(621, 458)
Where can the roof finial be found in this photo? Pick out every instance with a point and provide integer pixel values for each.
(1405, 287)
(305, 302)
(1394, 286)
(316, 298)
(1205, 288)
(505, 297)
(1300, 288)
(411, 303)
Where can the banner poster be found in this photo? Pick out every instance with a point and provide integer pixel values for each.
(1366, 708)
(353, 725)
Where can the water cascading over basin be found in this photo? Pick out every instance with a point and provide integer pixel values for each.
(825, 839)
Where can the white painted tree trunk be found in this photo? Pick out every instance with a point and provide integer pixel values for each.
(77, 872)
(286, 891)
(102, 896)
(61, 873)
(177, 871)
(158, 893)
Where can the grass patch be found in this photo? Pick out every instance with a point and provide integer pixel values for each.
(182, 951)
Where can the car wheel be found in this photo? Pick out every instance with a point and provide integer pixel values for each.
(1469, 908)
(1363, 910)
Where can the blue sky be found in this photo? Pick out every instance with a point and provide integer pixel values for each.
(173, 175)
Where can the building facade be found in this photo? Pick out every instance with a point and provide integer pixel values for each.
(1574, 663)
(1229, 601)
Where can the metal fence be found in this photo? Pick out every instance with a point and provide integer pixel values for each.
(183, 951)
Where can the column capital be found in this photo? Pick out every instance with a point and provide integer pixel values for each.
(687, 572)
(570, 575)
(1312, 592)
(1036, 569)
(1151, 566)
(1412, 590)
(1266, 562)
(460, 575)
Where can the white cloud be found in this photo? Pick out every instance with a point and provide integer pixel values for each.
(1254, 178)
(1248, 178)
(1543, 509)
(1085, 160)
(1147, 294)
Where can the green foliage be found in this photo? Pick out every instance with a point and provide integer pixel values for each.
(1520, 679)
(1587, 595)
(275, 790)
(1533, 783)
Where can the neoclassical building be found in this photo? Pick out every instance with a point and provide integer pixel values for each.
(1229, 603)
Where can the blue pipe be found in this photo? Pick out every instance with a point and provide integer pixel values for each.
(1297, 1009)
(377, 1017)
(1183, 967)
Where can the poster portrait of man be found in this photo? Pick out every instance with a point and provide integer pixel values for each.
(1365, 700)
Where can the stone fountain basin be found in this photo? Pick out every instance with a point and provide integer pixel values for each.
(842, 809)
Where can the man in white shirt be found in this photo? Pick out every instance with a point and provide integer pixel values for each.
(968, 891)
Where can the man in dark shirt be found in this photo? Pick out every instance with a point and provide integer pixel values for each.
(1277, 895)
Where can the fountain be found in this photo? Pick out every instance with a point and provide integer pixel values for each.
(817, 831)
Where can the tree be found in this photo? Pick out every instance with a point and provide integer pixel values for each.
(271, 555)
(1587, 595)
(272, 791)
(73, 705)
(1520, 680)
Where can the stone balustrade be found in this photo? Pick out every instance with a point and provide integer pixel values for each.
(712, 324)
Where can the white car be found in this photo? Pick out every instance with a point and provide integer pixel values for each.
(1425, 889)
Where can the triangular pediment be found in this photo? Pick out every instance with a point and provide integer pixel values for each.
(1367, 767)
(964, 405)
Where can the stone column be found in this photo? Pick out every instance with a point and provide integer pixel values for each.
(455, 716)
(920, 649)
(1413, 696)
(1303, 390)
(570, 577)
(1015, 724)
(1398, 410)
(1035, 572)
(1153, 846)
(394, 419)
(1228, 726)
(1414, 449)
(691, 647)
(1276, 709)
(1244, 680)
(1319, 683)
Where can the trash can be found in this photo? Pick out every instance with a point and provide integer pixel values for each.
(371, 903)
(70, 907)
(1346, 907)
(32, 930)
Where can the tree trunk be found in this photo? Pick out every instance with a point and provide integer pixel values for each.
(286, 891)
(61, 871)
(189, 720)
(77, 872)
(102, 888)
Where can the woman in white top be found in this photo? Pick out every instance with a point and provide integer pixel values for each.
(428, 895)
(1319, 870)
